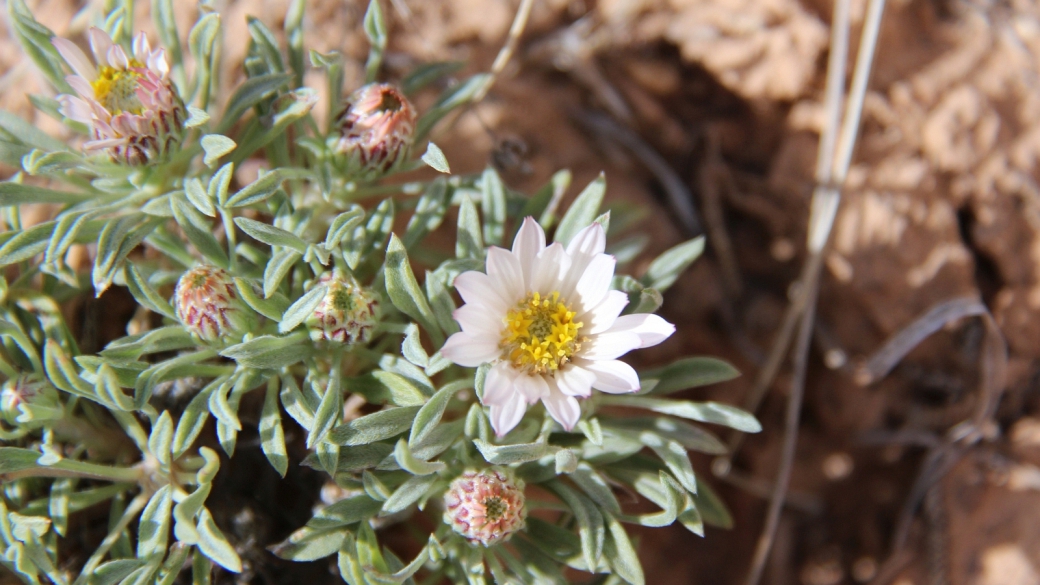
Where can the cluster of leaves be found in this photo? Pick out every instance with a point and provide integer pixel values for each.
(276, 236)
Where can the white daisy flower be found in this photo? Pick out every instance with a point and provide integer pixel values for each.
(546, 319)
(128, 101)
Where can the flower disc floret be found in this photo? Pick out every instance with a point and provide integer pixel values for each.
(541, 334)
(547, 321)
(129, 102)
(485, 507)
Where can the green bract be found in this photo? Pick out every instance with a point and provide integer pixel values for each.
(310, 289)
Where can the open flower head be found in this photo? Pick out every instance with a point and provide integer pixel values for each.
(547, 320)
(485, 507)
(206, 302)
(129, 102)
(374, 131)
(347, 313)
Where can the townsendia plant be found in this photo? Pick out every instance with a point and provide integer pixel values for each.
(509, 422)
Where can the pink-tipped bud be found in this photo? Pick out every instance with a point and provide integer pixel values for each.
(206, 301)
(485, 507)
(26, 399)
(347, 313)
(374, 131)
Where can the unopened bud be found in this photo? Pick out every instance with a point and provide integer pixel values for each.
(485, 507)
(374, 132)
(347, 313)
(207, 303)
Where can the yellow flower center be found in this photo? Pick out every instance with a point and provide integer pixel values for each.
(116, 89)
(540, 334)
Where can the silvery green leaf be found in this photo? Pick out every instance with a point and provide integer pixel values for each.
(345, 512)
(509, 454)
(215, 546)
(343, 224)
(589, 520)
(412, 373)
(308, 544)
(257, 191)
(269, 352)
(204, 41)
(329, 411)
(26, 243)
(273, 308)
(592, 430)
(399, 391)
(264, 45)
(58, 504)
(412, 464)
(192, 222)
(379, 225)
(375, 30)
(303, 307)
(271, 235)
(14, 194)
(493, 206)
(115, 571)
(198, 197)
(470, 242)
(712, 510)
(403, 289)
(430, 414)
(621, 553)
(675, 458)
(593, 484)
(154, 527)
(408, 493)
(29, 134)
(296, 403)
(686, 373)
(583, 211)
(709, 412)
(377, 426)
(36, 41)
(628, 249)
(196, 117)
(374, 487)
(17, 459)
(193, 418)
(411, 347)
(438, 363)
(441, 303)
(144, 294)
(452, 98)
(116, 241)
(434, 157)
(216, 146)
(553, 194)
(427, 73)
(181, 366)
(566, 461)
(250, 93)
(220, 182)
(161, 438)
(690, 517)
(429, 213)
(648, 301)
(690, 436)
(281, 263)
(667, 267)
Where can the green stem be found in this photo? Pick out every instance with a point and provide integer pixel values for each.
(129, 514)
(78, 469)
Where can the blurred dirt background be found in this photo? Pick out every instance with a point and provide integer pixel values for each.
(720, 102)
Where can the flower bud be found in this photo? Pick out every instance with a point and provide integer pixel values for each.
(485, 507)
(206, 301)
(26, 399)
(347, 313)
(374, 131)
(129, 102)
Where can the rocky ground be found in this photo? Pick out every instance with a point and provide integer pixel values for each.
(721, 101)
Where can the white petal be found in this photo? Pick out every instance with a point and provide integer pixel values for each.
(650, 328)
(76, 109)
(100, 43)
(575, 381)
(75, 58)
(478, 321)
(505, 417)
(594, 282)
(552, 263)
(608, 346)
(504, 268)
(613, 376)
(529, 242)
(82, 87)
(564, 409)
(587, 244)
(469, 351)
(499, 385)
(477, 288)
(532, 387)
(141, 47)
(117, 58)
(602, 316)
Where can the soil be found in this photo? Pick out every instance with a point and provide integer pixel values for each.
(942, 202)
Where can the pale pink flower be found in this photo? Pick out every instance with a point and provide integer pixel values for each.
(485, 507)
(375, 130)
(347, 313)
(129, 102)
(547, 320)
(207, 302)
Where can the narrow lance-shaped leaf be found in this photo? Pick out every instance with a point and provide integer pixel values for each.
(583, 211)
(404, 290)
